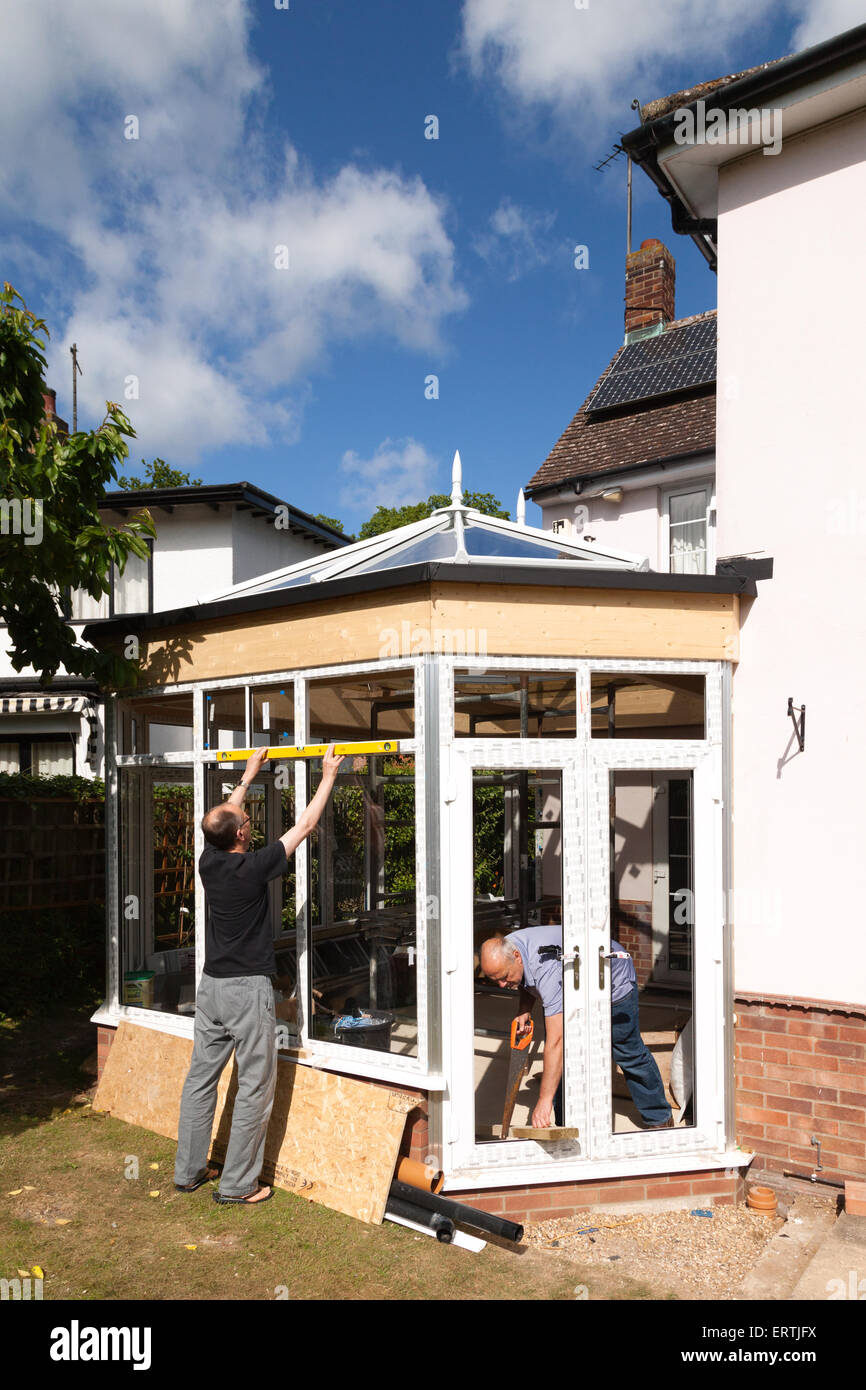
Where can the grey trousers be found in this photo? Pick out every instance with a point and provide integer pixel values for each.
(234, 1013)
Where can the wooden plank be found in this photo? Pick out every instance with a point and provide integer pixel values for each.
(592, 622)
(332, 1139)
(545, 1136)
(504, 620)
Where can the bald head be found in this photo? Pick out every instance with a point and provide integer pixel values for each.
(221, 826)
(501, 961)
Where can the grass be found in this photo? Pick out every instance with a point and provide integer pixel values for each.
(93, 1174)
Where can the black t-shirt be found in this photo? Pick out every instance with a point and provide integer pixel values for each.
(238, 934)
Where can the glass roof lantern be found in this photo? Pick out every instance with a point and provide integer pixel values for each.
(452, 535)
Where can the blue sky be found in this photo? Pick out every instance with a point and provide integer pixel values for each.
(303, 128)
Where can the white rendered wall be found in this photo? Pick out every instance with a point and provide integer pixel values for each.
(259, 547)
(791, 484)
(631, 525)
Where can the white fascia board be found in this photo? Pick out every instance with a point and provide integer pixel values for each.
(692, 170)
(704, 467)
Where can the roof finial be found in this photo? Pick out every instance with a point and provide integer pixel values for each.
(457, 480)
(521, 508)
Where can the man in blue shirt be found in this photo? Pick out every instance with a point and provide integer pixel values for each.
(532, 959)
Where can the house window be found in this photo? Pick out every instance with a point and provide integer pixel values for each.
(48, 757)
(689, 522)
(129, 592)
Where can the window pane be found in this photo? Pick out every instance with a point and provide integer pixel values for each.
(157, 891)
(53, 759)
(84, 608)
(647, 706)
(131, 588)
(351, 709)
(225, 718)
(510, 704)
(9, 757)
(362, 859)
(652, 999)
(156, 724)
(688, 533)
(273, 715)
(517, 859)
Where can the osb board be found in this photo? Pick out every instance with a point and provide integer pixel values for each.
(505, 620)
(331, 1139)
(362, 627)
(642, 623)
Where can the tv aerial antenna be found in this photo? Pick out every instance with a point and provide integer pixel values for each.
(610, 159)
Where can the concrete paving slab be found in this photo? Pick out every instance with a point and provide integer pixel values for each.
(837, 1270)
(776, 1273)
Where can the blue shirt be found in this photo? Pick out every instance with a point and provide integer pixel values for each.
(544, 977)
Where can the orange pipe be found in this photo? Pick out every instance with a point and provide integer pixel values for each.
(416, 1174)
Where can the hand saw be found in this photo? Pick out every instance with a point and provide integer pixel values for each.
(517, 1068)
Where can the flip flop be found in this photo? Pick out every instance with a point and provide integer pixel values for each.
(207, 1176)
(244, 1201)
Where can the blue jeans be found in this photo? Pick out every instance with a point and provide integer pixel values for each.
(639, 1068)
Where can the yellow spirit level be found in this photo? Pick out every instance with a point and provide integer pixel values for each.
(310, 750)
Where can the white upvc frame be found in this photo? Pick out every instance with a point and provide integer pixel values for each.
(415, 1071)
(586, 764)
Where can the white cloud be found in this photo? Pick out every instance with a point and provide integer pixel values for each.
(400, 472)
(824, 18)
(588, 63)
(517, 241)
(164, 247)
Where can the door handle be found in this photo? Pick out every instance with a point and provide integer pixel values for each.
(574, 962)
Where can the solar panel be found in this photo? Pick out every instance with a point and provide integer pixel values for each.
(671, 361)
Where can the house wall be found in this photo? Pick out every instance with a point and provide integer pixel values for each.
(790, 429)
(636, 524)
(259, 546)
(791, 299)
(631, 525)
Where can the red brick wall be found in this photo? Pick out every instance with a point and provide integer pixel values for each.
(545, 1202)
(800, 1071)
(634, 931)
(104, 1039)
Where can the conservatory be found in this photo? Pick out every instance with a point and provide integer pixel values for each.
(542, 733)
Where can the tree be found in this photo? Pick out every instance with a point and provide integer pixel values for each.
(52, 537)
(331, 521)
(390, 518)
(158, 473)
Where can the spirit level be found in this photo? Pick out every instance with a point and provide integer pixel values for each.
(311, 750)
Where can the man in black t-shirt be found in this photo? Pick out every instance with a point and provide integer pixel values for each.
(234, 1007)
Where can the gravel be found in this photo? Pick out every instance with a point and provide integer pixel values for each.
(692, 1256)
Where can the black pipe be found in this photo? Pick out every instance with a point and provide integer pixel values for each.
(441, 1226)
(464, 1216)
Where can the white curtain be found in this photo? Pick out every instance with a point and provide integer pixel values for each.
(130, 588)
(52, 759)
(688, 524)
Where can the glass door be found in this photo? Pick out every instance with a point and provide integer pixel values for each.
(654, 978)
(516, 918)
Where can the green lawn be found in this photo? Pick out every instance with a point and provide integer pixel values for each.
(99, 1234)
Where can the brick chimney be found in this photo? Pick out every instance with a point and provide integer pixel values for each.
(49, 396)
(650, 282)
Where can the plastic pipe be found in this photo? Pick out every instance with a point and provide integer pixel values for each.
(441, 1225)
(464, 1216)
(415, 1174)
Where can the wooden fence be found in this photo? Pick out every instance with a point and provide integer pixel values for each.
(52, 853)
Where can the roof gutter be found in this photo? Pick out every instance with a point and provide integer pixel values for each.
(642, 144)
(673, 465)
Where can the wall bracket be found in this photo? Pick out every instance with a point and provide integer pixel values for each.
(799, 724)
